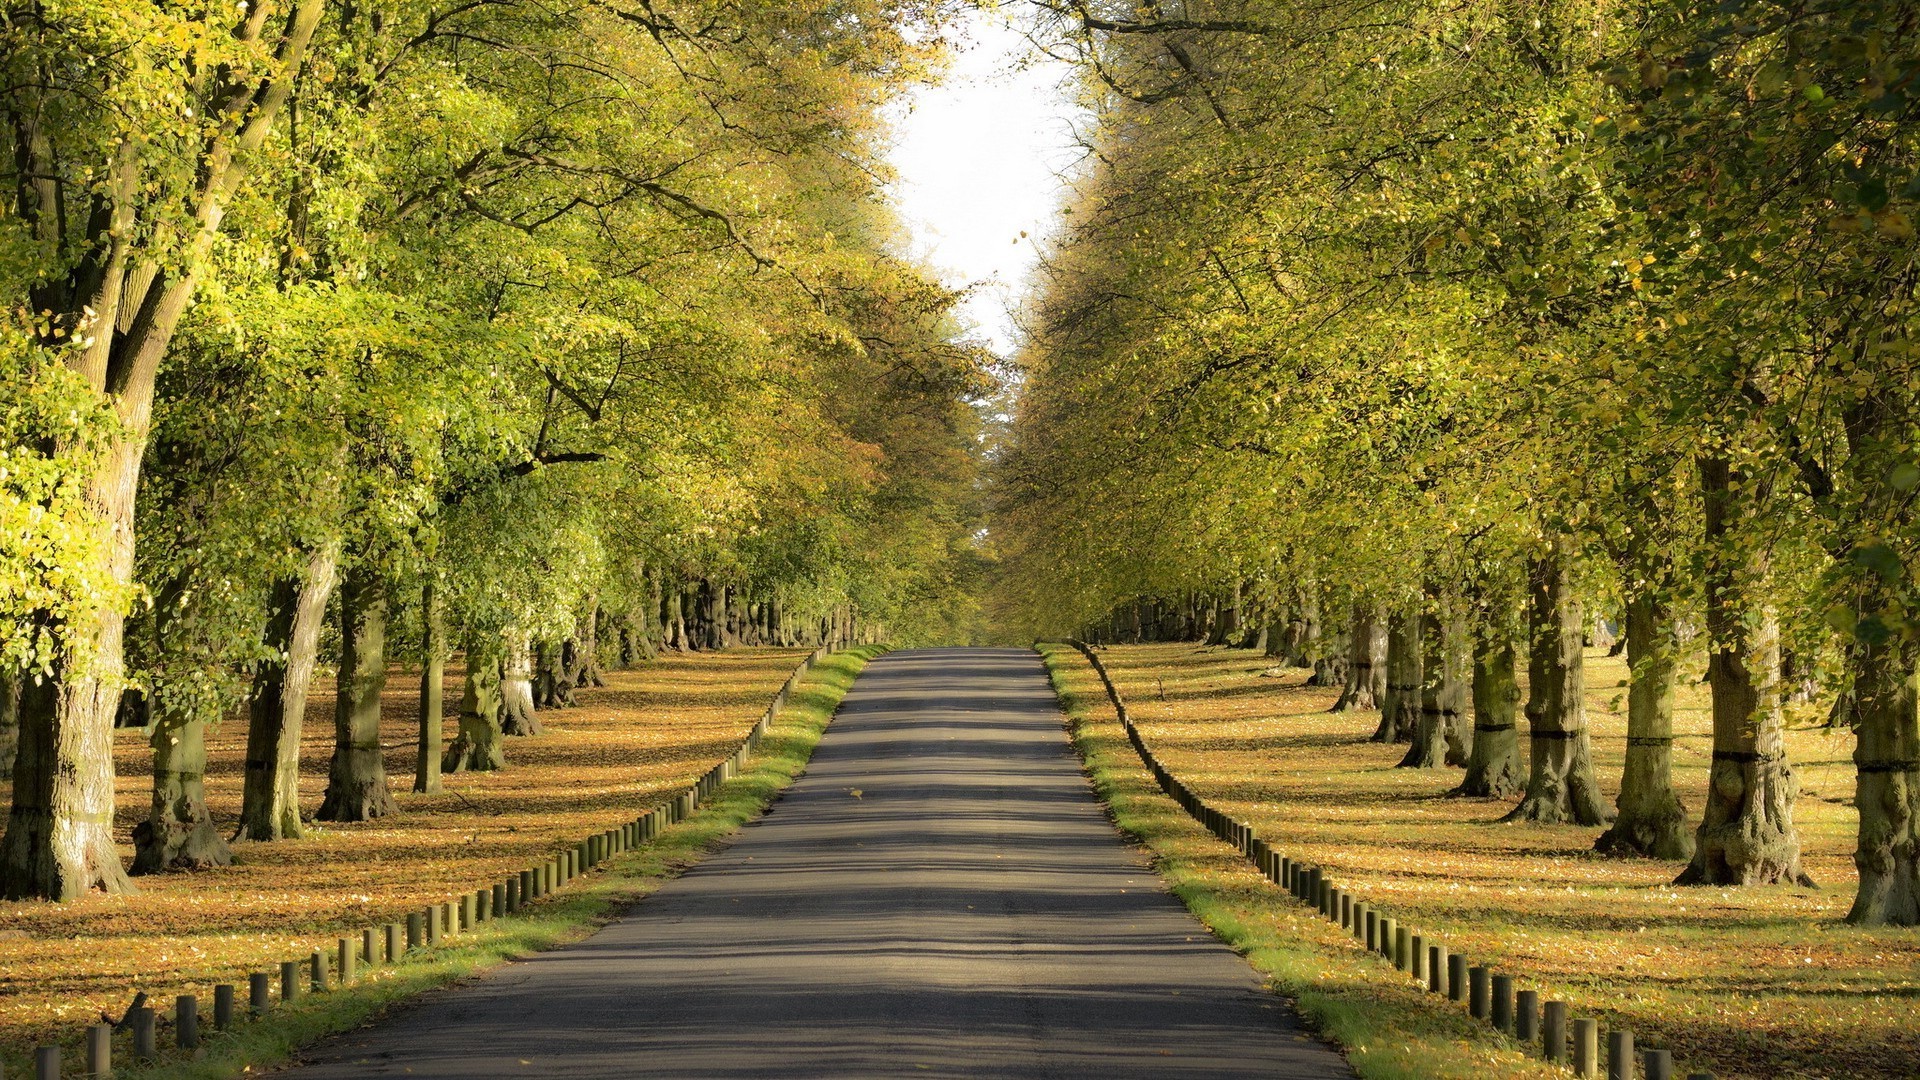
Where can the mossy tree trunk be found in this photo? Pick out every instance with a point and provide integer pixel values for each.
(9, 720)
(479, 745)
(1561, 788)
(1331, 662)
(1493, 767)
(1443, 689)
(178, 833)
(357, 779)
(1746, 834)
(1650, 820)
(1400, 707)
(1367, 660)
(277, 705)
(516, 688)
(1885, 718)
(433, 671)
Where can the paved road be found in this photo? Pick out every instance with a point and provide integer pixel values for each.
(938, 896)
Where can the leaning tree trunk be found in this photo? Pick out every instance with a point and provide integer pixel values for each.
(1746, 834)
(1493, 766)
(433, 671)
(516, 689)
(1442, 691)
(178, 833)
(1561, 788)
(479, 746)
(1367, 660)
(1651, 821)
(277, 706)
(1400, 708)
(357, 779)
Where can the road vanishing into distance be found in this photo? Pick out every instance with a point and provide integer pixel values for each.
(939, 895)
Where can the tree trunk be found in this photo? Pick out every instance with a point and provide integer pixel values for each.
(1226, 626)
(479, 745)
(9, 720)
(1367, 663)
(1560, 787)
(1457, 711)
(516, 689)
(1651, 821)
(586, 661)
(1400, 708)
(277, 706)
(1333, 657)
(1493, 767)
(178, 833)
(357, 779)
(1746, 834)
(433, 671)
(1883, 713)
(1442, 691)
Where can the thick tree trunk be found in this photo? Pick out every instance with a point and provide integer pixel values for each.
(1226, 625)
(1457, 704)
(1333, 656)
(1746, 834)
(1367, 660)
(586, 659)
(277, 707)
(553, 676)
(178, 833)
(516, 689)
(479, 745)
(357, 779)
(433, 671)
(1885, 718)
(1651, 821)
(1400, 708)
(1442, 691)
(1493, 767)
(1561, 788)
(9, 720)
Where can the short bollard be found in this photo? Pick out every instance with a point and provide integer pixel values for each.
(1437, 969)
(1502, 1013)
(513, 894)
(416, 930)
(1553, 1031)
(431, 918)
(1360, 920)
(449, 918)
(46, 1063)
(1390, 938)
(1456, 978)
(1586, 1047)
(1346, 910)
(1417, 958)
(370, 946)
(1657, 1064)
(1620, 1055)
(348, 953)
(317, 963)
(1526, 1015)
(259, 986)
(1323, 901)
(497, 903)
(1285, 880)
(100, 1050)
(145, 1046)
(1403, 949)
(186, 1022)
(683, 806)
(396, 942)
(1479, 995)
(1372, 929)
(468, 916)
(290, 980)
(223, 1006)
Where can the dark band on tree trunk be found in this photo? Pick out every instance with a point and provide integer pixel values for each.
(1747, 757)
(1649, 740)
(1493, 727)
(1889, 766)
(1538, 734)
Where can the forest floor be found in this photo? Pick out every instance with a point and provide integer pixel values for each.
(651, 731)
(1745, 982)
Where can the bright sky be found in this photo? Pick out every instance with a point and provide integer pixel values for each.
(981, 160)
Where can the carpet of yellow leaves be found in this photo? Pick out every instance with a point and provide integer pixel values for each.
(1754, 982)
(628, 745)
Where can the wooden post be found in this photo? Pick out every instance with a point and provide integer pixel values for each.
(186, 1022)
(349, 951)
(223, 1006)
(395, 942)
(497, 903)
(1503, 1002)
(431, 917)
(1526, 1015)
(46, 1063)
(100, 1050)
(1657, 1064)
(1389, 937)
(1403, 949)
(1437, 969)
(468, 916)
(1479, 995)
(319, 966)
(145, 1046)
(417, 927)
(370, 946)
(513, 893)
(289, 981)
(1586, 1047)
(1370, 933)
(259, 985)
(1554, 1031)
(1456, 978)
(1620, 1056)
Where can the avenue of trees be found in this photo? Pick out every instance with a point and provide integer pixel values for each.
(367, 332)
(1415, 343)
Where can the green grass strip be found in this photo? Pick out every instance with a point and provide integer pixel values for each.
(1389, 1028)
(570, 914)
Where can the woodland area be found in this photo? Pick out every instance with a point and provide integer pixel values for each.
(1425, 345)
(355, 336)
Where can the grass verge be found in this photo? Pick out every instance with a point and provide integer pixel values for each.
(593, 900)
(1389, 1028)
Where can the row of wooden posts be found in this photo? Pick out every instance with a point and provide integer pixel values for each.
(339, 967)
(1488, 995)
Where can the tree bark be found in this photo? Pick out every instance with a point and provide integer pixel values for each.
(1367, 660)
(1400, 708)
(1746, 834)
(516, 689)
(433, 671)
(1442, 691)
(1651, 821)
(178, 833)
(1885, 717)
(357, 779)
(479, 745)
(1226, 625)
(1332, 660)
(277, 706)
(1561, 788)
(1457, 710)
(1493, 767)
(9, 720)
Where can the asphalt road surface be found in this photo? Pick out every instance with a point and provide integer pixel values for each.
(939, 895)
